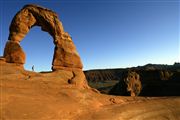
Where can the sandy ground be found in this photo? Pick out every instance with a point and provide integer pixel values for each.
(28, 95)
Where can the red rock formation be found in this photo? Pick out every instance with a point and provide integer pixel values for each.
(132, 79)
(65, 54)
(162, 80)
(14, 53)
(129, 84)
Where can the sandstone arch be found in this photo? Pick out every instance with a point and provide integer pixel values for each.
(65, 54)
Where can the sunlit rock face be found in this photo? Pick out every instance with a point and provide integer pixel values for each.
(65, 60)
(129, 84)
(65, 54)
(14, 53)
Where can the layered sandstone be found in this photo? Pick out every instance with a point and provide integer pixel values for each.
(129, 84)
(65, 54)
(156, 80)
(14, 53)
(51, 96)
(62, 94)
(65, 60)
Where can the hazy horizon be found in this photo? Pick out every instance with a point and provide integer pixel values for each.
(107, 34)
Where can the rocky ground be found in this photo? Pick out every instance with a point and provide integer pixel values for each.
(46, 96)
(64, 93)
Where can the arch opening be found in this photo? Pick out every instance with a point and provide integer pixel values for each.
(65, 54)
(39, 48)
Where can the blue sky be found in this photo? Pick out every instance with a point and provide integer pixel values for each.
(107, 33)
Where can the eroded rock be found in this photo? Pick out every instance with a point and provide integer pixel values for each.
(129, 84)
(132, 80)
(14, 53)
(65, 54)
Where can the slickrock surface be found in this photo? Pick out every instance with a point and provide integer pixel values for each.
(63, 94)
(49, 95)
(65, 57)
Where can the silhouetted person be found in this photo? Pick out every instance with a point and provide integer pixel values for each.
(33, 68)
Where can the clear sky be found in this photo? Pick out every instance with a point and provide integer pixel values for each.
(107, 33)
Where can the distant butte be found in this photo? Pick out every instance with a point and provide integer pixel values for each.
(63, 94)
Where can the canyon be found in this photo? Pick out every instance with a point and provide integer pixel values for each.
(64, 93)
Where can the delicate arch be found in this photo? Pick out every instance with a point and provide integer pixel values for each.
(65, 54)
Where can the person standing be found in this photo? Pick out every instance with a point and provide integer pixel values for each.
(33, 68)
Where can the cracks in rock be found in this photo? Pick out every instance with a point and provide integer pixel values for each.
(70, 81)
(28, 77)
